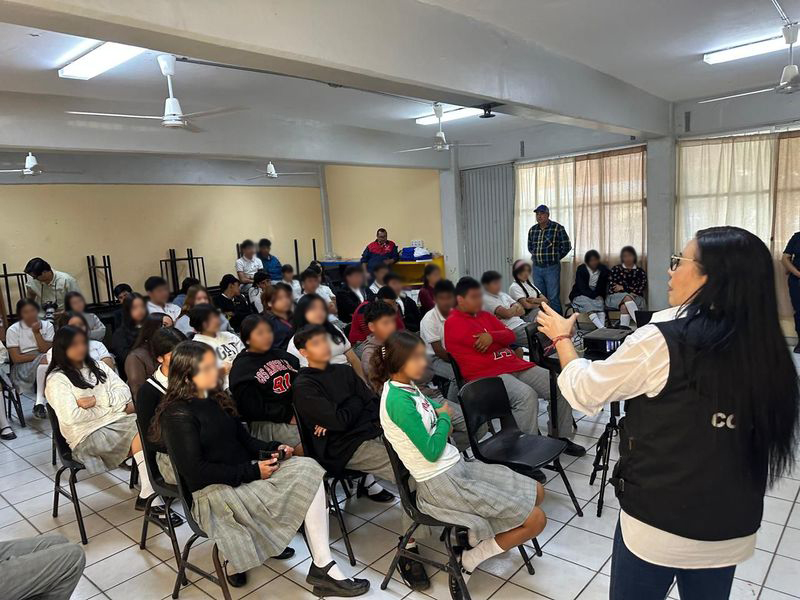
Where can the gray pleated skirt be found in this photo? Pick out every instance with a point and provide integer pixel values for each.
(255, 521)
(107, 447)
(584, 304)
(165, 468)
(267, 431)
(614, 300)
(24, 375)
(486, 499)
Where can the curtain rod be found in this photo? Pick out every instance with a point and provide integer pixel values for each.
(763, 130)
(580, 153)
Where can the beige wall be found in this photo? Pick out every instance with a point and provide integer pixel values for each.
(137, 224)
(404, 201)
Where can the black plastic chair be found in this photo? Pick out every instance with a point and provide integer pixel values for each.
(330, 481)
(11, 399)
(67, 463)
(460, 381)
(219, 578)
(408, 500)
(484, 400)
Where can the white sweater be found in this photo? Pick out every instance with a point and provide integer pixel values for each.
(78, 423)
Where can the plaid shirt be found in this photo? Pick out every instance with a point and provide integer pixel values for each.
(549, 245)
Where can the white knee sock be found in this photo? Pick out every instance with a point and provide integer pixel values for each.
(597, 320)
(317, 534)
(373, 487)
(41, 377)
(632, 308)
(144, 478)
(470, 559)
(3, 421)
(625, 320)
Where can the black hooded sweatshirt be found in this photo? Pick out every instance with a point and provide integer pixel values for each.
(261, 385)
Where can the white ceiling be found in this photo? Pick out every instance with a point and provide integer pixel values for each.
(656, 45)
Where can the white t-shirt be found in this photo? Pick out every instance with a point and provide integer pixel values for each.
(491, 302)
(225, 345)
(169, 309)
(517, 291)
(21, 336)
(431, 329)
(3, 354)
(254, 294)
(249, 266)
(297, 290)
(338, 351)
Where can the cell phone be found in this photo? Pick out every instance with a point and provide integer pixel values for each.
(280, 454)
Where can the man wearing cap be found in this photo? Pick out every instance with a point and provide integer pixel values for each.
(548, 243)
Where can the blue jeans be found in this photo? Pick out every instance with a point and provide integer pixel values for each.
(548, 280)
(635, 579)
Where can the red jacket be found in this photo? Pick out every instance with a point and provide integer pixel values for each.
(359, 330)
(460, 330)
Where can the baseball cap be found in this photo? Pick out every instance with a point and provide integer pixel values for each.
(542, 208)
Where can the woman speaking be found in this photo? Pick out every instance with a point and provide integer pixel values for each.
(711, 418)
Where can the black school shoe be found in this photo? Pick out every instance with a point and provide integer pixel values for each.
(8, 434)
(158, 511)
(384, 496)
(236, 579)
(413, 572)
(573, 449)
(39, 411)
(325, 585)
(286, 554)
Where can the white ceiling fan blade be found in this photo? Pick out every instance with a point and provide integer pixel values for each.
(476, 144)
(213, 111)
(739, 95)
(49, 172)
(98, 114)
(11, 170)
(289, 174)
(191, 127)
(414, 149)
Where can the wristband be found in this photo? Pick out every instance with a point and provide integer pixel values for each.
(555, 340)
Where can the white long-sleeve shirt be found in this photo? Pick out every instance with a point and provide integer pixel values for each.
(78, 423)
(641, 367)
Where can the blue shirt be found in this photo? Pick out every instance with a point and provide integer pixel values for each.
(272, 266)
(793, 250)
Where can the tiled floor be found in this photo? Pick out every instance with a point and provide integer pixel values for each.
(575, 564)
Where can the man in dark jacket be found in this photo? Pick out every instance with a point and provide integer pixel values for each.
(382, 251)
(588, 292)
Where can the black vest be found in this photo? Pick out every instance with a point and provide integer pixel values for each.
(682, 467)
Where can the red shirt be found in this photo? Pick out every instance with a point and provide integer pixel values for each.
(359, 330)
(460, 329)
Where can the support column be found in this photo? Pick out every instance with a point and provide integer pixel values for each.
(452, 220)
(660, 217)
(326, 216)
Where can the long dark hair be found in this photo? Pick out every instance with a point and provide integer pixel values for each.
(127, 320)
(61, 342)
(732, 323)
(268, 294)
(429, 269)
(299, 318)
(65, 317)
(152, 323)
(249, 323)
(395, 353)
(183, 366)
(69, 297)
(516, 269)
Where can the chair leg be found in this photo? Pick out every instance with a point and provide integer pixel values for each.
(53, 459)
(171, 529)
(526, 559)
(223, 580)
(560, 469)
(183, 559)
(134, 474)
(455, 568)
(77, 505)
(331, 492)
(57, 490)
(537, 547)
(146, 521)
(17, 401)
(396, 559)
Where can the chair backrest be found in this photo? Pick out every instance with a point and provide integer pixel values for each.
(185, 497)
(61, 443)
(482, 401)
(457, 372)
(306, 437)
(402, 477)
(536, 342)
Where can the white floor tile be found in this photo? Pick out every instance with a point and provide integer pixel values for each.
(85, 590)
(9, 515)
(605, 524)
(768, 594)
(280, 587)
(768, 536)
(790, 545)
(18, 478)
(555, 578)
(481, 585)
(744, 590)
(580, 486)
(256, 580)
(785, 489)
(776, 510)
(514, 592)
(559, 506)
(597, 588)
(121, 567)
(784, 575)
(37, 487)
(17, 530)
(755, 568)
(580, 546)
(104, 545)
(301, 553)
(369, 542)
(794, 517)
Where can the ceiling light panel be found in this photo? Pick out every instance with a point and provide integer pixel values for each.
(106, 56)
(745, 51)
(450, 115)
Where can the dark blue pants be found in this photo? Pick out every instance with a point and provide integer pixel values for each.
(635, 579)
(548, 280)
(794, 294)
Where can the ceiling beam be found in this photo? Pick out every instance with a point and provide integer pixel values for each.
(393, 46)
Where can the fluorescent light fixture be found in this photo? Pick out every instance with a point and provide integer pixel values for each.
(106, 56)
(739, 95)
(77, 50)
(451, 115)
(745, 51)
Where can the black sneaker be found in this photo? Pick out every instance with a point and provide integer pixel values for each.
(325, 585)
(39, 411)
(413, 572)
(573, 449)
(236, 579)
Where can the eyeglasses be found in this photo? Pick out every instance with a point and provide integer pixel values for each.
(676, 259)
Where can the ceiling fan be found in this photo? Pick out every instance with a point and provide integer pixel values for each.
(440, 142)
(173, 114)
(271, 173)
(32, 168)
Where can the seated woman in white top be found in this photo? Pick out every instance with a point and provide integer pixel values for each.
(94, 408)
(312, 309)
(504, 307)
(523, 290)
(207, 322)
(195, 296)
(75, 302)
(27, 341)
(499, 507)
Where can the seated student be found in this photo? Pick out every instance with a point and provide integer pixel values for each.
(480, 345)
(277, 300)
(626, 287)
(382, 251)
(354, 293)
(75, 302)
(134, 312)
(431, 330)
(409, 310)
(310, 280)
(47, 566)
(248, 264)
(157, 290)
(231, 302)
(430, 277)
(523, 290)
(141, 361)
(195, 296)
(499, 506)
(206, 321)
(47, 286)
(588, 293)
(94, 408)
(187, 283)
(121, 291)
(269, 263)
(260, 283)
(378, 275)
(251, 507)
(358, 328)
(27, 341)
(312, 310)
(261, 384)
(504, 307)
(287, 277)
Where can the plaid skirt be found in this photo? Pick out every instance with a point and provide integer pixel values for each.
(24, 375)
(614, 300)
(584, 304)
(486, 499)
(255, 521)
(107, 447)
(165, 468)
(267, 431)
